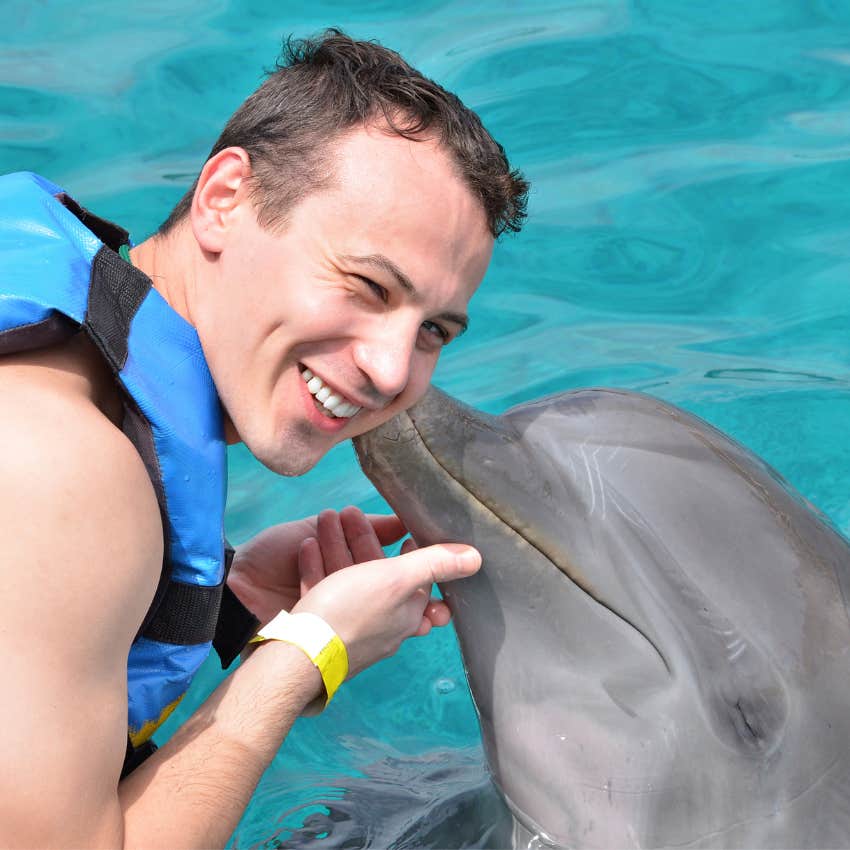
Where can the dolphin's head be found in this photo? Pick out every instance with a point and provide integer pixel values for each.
(526, 488)
(603, 653)
(534, 626)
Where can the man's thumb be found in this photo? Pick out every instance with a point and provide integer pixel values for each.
(442, 562)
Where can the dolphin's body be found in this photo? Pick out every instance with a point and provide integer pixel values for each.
(658, 643)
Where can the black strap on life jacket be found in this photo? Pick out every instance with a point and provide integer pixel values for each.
(236, 624)
(134, 756)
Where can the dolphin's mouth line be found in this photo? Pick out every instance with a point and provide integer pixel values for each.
(554, 561)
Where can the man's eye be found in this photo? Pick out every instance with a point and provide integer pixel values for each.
(376, 288)
(436, 333)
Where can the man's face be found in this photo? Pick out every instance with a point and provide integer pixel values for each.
(361, 289)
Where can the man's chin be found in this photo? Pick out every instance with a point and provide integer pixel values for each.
(287, 464)
(285, 456)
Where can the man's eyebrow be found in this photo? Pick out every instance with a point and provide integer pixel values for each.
(387, 265)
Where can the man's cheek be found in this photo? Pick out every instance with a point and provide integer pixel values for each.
(420, 380)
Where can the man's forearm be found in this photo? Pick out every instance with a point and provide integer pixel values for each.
(193, 791)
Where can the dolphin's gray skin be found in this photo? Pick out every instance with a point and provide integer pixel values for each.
(658, 643)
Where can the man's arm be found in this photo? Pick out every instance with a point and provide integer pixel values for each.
(83, 550)
(82, 547)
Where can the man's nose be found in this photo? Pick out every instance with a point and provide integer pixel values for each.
(386, 358)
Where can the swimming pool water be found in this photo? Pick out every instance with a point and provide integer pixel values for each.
(688, 236)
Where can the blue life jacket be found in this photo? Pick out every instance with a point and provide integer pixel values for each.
(59, 275)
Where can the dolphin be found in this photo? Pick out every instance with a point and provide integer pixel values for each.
(658, 641)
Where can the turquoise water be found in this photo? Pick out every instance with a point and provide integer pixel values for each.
(689, 236)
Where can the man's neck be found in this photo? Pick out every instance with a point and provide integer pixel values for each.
(170, 264)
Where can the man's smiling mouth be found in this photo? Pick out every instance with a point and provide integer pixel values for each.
(330, 403)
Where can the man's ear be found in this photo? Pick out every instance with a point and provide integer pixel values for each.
(221, 189)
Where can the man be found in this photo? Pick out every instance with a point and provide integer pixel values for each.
(299, 295)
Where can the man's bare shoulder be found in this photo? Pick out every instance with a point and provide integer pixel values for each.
(77, 508)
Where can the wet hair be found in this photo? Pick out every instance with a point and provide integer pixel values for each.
(323, 87)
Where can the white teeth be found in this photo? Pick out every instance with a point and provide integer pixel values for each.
(329, 403)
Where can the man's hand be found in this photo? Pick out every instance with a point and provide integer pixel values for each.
(351, 541)
(265, 574)
(333, 565)
(374, 606)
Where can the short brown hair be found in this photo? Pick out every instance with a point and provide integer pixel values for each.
(320, 88)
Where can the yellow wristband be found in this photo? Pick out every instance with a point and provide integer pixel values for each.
(316, 639)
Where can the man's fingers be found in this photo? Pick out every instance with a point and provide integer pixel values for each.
(409, 545)
(424, 628)
(311, 567)
(441, 562)
(388, 528)
(335, 551)
(438, 613)
(360, 535)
